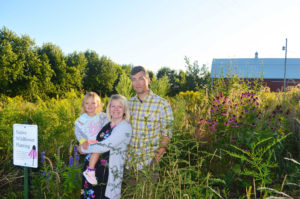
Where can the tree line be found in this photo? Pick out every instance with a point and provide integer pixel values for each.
(43, 72)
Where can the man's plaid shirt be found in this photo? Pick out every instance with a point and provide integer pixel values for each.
(150, 119)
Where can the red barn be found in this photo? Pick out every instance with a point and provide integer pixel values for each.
(270, 69)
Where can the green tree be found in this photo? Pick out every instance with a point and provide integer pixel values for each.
(23, 71)
(176, 80)
(124, 87)
(151, 74)
(76, 65)
(180, 82)
(91, 78)
(101, 74)
(110, 73)
(56, 59)
(127, 69)
(160, 86)
(197, 77)
(10, 66)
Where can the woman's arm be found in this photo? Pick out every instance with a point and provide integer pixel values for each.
(120, 134)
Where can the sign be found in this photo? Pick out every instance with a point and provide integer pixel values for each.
(25, 145)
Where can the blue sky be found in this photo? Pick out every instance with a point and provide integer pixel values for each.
(160, 33)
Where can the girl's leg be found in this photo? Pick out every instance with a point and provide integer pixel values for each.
(89, 173)
(93, 160)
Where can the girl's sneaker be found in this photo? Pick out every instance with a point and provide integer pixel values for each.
(90, 176)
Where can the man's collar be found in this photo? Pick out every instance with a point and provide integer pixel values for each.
(150, 95)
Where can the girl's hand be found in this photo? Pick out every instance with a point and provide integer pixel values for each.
(79, 150)
(85, 145)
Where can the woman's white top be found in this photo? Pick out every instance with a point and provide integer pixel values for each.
(117, 144)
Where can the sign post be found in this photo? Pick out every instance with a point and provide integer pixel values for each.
(26, 189)
(25, 149)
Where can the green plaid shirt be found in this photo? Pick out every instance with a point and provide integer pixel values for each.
(150, 119)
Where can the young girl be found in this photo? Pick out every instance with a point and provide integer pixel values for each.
(87, 127)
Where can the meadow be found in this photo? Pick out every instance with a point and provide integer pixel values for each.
(232, 141)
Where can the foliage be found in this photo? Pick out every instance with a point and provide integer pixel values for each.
(43, 72)
(124, 86)
(223, 167)
(196, 78)
(257, 162)
(160, 86)
(58, 179)
(101, 74)
(76, 65)
(127, 69)
(176, 80)
(23, 71)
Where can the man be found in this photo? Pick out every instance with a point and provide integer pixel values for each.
(151, 118)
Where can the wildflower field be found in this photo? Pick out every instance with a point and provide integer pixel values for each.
(233, 141)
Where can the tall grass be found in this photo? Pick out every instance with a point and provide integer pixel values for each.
(205, 159)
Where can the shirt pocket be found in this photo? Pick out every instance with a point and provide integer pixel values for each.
(152, 123)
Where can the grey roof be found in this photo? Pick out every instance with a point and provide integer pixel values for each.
(268, 68)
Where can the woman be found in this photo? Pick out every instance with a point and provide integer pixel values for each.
(114, 138)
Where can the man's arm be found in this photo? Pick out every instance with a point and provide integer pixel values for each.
(162, 147)
(166, 121)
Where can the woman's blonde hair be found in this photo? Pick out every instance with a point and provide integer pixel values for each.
(123, 101)
(96, 97)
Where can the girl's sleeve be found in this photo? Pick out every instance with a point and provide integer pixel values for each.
(120, 135)
(79, 134)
